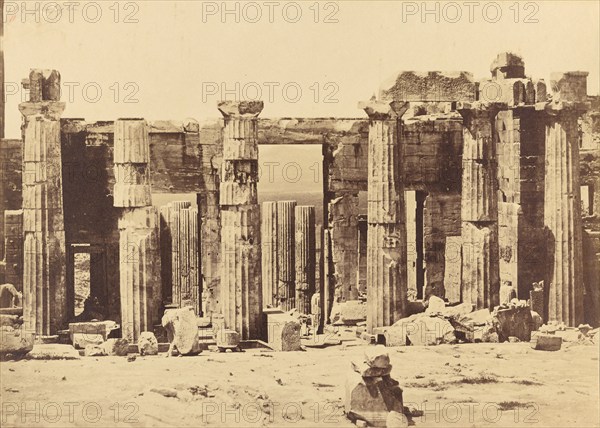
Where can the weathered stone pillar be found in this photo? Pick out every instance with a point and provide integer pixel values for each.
(305, 257)
(343, 232)
(286, 294)
(139, 269)
(269, 253)
(386, 236)
(326, 292)
(479, 214)
(241, 293)
(13, 245)
(562, 214)
(190, 291)
(44, 273)
(178, 232)
(139, 249)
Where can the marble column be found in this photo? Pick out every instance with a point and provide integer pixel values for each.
(286, 270)
(305, 257)
(241, 284)
(562, 215)
(139, 248)
(386, 236)
(45, 308)
(479, 213)
(269, 253)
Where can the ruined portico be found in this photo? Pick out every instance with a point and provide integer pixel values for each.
(492, 165)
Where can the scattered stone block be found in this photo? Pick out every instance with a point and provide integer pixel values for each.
(82, 340)
(371, 399)
(363, 369)
(350, 312)
(377, 357)
(120, 347)
(569, 335)
(182, 330)
(480, 317)
(53, 352)
(320, 341)
(457, 311)
(436, 306)
(283, 332)
(90, 329)
(94, 351)
(515, 321)
(584, 328)
(228, 339)
(395, 336)
(14, 339)
(147, 343)
(546, 342)
(396, 420)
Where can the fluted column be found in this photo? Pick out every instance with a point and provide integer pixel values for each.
(44, 268)
(562, 215)
(13, 245)
(269, 253)
(177, 264)
(479, 213)
(386, 236)
(139, 270)
(241, 288)
(286, 260)
(139, 248)
(305, 257)
(131, 158)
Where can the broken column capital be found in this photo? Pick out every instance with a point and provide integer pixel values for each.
(240, 109)
(380, 110)
(43, 85)
(51, 110)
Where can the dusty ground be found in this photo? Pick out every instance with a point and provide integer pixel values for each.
(472, 385)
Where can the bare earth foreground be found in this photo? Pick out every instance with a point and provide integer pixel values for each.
(472, 385)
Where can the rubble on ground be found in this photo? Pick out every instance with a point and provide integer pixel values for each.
(147, 343)
(371, 393)
(182, 330)
(350, 312)
(16, 341)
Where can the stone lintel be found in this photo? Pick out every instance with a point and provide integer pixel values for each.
(240, 109)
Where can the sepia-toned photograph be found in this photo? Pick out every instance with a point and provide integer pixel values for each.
(303, 213)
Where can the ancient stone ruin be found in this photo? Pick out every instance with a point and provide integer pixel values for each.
(473, 199)
(453, 211)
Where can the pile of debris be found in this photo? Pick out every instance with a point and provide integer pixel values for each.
(15, 341)
(551, 336)
(373, 398)
(439, 324)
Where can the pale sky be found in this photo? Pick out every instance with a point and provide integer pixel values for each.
(180, 57)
